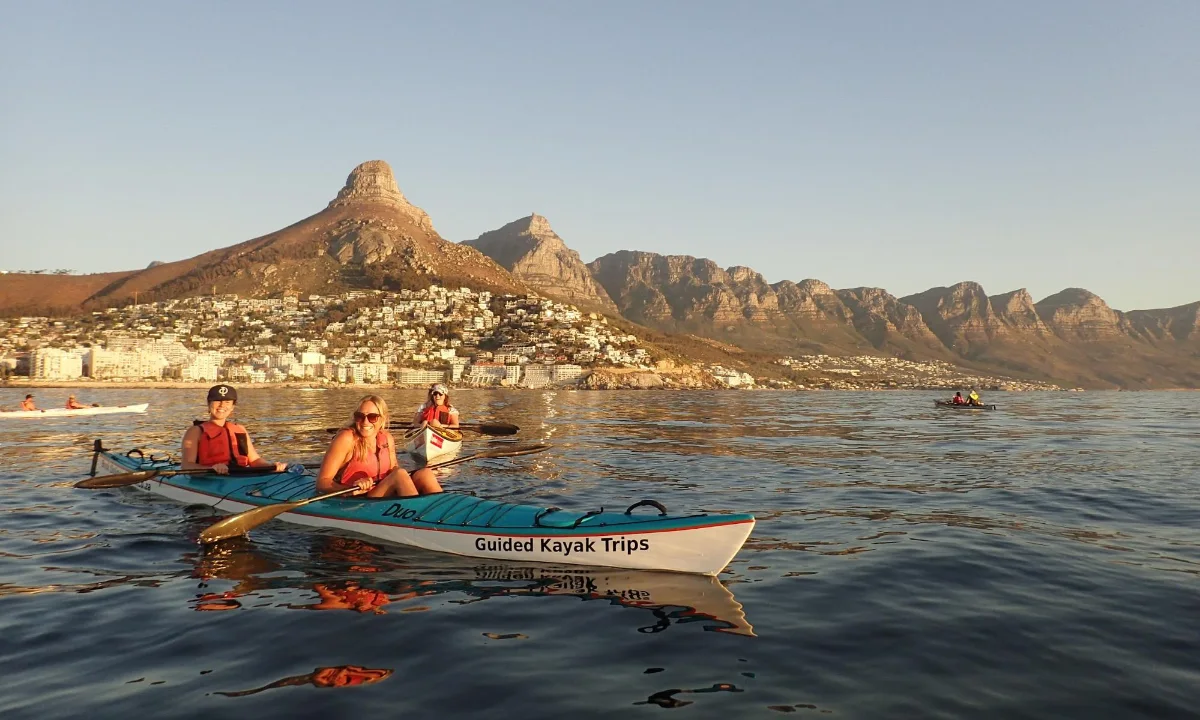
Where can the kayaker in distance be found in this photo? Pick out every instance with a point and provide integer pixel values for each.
(73, 404)
(27, 404)
(973, 398)
(437, 410)
(218, 444)
(363, 454)
(958, 399)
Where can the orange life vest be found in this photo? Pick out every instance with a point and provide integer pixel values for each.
(375, 466)
(229, 444)
(441, 412)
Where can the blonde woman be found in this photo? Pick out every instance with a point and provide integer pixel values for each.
(363, 454)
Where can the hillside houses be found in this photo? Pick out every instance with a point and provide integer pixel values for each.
(409, 337)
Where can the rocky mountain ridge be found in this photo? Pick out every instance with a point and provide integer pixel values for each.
(371, 236)
(535, 254)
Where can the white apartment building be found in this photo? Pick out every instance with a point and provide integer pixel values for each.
(536, 375)
(512, 374)
(56, 364)
(202, 366)
(563, 373)
(125, 364)
(409, 376)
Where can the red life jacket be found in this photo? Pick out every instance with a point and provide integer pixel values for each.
(959, 400)
(441, 412)
(229, 444)
(375, 466)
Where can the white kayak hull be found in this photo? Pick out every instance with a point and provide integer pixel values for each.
(63, 412)
(431, 444)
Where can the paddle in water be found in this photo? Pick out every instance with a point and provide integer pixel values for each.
(243, 522)
(481, 428)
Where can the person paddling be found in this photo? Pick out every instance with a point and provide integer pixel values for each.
(28, 404)
(219, 444)
(437, 411)
(73, 404)
(958, 399)
(973, 398)
(364, 454)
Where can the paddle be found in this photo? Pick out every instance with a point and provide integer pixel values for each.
(481, 428)
(133, 478)
(244, 522)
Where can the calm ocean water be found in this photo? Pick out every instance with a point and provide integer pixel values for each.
(1042, 561)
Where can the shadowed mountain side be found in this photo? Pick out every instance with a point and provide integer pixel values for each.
(531, 250)
(37, 294)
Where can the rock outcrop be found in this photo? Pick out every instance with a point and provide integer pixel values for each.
(373, 183)
(531, 250)
(1076, 314)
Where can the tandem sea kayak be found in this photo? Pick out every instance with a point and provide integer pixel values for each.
(63, 412)
(951, 406)
(472, 526)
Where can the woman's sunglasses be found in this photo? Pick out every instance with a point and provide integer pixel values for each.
(435, 394)
(369, 417)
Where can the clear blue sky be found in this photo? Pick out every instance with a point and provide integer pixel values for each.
(903, 145)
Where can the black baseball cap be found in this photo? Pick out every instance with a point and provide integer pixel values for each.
(217, 393)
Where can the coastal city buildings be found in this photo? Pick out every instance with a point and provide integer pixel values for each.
(411, 337)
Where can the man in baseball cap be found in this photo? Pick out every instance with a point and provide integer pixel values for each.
(219, 444)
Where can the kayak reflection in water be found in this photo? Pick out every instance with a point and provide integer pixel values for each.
(323, 677)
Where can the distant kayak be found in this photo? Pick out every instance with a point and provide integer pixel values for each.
(63, 412)
(951, 406)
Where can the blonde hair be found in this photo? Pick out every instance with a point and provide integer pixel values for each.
(361, 450)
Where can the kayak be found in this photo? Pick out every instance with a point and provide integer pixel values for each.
(63, 412)
(429, 443)
(464, 524)
(952, 406)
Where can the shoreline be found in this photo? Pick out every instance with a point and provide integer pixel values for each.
(26, 384)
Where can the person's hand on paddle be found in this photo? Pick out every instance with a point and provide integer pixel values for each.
(364, 486)
(281, 467)
(221, 468)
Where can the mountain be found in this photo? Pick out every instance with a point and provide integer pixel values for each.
(369, 236)
(1072, 337)
(531, 250)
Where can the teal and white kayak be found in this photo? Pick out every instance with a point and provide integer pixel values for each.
(472, 526)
